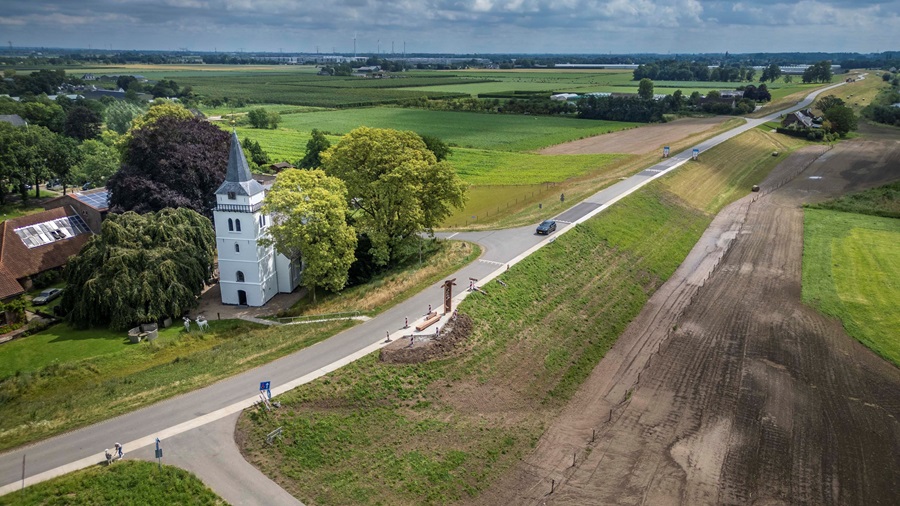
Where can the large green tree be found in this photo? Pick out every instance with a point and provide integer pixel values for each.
(310, 210)
(645, 89)
(119, 115)
(841, 118)
(396, 187)
(140, 268)
(98, 163)
(316, 145)
(32, 155)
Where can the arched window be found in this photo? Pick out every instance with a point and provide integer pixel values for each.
(237, 225)
(240, 277)
(237, 248)
(230, 225)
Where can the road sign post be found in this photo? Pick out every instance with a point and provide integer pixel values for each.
(158, 453)
(264, 388)
(695, 154)
(665, 151)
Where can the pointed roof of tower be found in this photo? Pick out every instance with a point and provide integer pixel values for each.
(238, 178)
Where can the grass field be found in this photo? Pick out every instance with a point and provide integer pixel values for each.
(62, 379)
(127, 482)
(499, 132)
(442, 431)
(851, 270)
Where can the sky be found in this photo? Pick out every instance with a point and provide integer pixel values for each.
(456, 26)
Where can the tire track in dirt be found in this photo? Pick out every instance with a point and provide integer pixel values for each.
(755, 397)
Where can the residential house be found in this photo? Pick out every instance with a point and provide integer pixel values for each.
(32, 244)
(280, 166)
(801, 119)
(91, 205)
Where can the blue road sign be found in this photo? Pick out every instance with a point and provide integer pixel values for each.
(264, 385)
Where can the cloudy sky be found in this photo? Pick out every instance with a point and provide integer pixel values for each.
(456, 26)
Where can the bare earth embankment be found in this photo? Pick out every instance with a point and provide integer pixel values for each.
(726, 389)
(642, 140)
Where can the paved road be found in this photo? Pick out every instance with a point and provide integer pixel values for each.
(191, 411)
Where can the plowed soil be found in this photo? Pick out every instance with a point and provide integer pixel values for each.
(726, 389)
(639, 141)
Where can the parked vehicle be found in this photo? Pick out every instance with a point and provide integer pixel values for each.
(546, 227)
(46, 296)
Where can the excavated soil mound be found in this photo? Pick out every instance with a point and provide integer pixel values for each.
(424, 348)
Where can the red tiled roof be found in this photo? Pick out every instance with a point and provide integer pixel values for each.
(8, 284)
(21, 261)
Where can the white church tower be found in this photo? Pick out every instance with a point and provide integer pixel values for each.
(249, 273)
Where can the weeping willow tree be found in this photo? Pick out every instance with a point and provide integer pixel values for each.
(141, 268)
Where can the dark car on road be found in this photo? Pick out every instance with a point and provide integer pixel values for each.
(46, 296)
(547, 227)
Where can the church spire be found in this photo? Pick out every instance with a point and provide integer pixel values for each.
(238, 169)
(238, 179)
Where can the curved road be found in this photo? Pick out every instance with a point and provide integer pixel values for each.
(196, 428)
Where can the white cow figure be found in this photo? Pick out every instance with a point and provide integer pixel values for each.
(202, 323)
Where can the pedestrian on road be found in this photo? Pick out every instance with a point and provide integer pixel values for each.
(109, 457)
(120, 452)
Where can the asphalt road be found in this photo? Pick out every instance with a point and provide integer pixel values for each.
(188, 413)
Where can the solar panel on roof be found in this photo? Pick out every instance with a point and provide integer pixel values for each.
(47, 232)
(98, 200)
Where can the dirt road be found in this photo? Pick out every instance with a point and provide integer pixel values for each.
(728, 390)
(645, 139)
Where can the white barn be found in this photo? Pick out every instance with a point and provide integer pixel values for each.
(249, 273)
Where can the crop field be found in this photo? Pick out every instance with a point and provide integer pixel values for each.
(500, 132)
(126, 482)
(851, 270)
(444, 430)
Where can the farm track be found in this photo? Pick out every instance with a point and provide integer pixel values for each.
(726, 389)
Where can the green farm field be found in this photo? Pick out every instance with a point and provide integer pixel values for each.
(442, 431)
(851, 270)
(500, 132)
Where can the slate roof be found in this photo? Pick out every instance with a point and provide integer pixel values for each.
(238, 178)
(20, 261)
(13, 119)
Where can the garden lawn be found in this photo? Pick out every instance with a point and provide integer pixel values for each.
(851, 270)
(126, 482)
(444, 430)
(62, 344)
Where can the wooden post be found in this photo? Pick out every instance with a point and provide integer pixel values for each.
(448, 294)
(552, 485)
(573, 458)
(593, 435)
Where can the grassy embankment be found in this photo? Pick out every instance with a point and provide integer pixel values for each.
(61, 378)
(851, 265)
(128, 482)
(390, 288)
(442, 431)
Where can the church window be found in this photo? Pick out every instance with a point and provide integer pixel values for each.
(237, 248)
(230, 225)
(240, 277)
(232, 196)
(237, 225)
